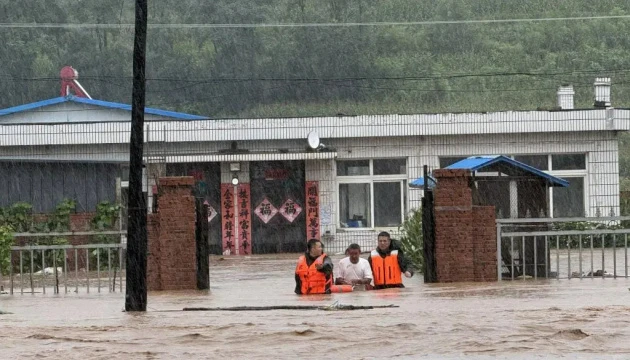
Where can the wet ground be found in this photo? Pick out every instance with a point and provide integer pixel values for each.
(578, 318)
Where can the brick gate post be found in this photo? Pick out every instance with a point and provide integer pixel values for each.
(172, 262)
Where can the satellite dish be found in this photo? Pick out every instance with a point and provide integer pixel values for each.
(313, 140)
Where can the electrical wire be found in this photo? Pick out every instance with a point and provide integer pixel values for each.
(305, 25)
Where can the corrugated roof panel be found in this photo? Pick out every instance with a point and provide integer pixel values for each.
(476, 163)
(106, 104)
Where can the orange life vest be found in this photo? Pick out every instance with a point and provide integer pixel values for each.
(386, 270)
(313, 281)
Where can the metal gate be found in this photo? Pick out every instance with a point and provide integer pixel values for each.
(562, 248)
(428, 231)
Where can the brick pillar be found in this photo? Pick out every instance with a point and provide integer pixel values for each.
(154, 281)
(465, 235)
(172, 259)
(485, 243)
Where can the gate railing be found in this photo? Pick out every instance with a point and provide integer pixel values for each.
(64, 268)
(536, 248)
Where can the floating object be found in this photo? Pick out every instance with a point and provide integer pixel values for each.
(50, 271)
(600, 273)
(341, 288)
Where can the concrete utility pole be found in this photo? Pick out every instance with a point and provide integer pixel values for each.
(136, 288)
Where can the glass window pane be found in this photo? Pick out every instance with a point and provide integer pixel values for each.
(353, 167)
(387, 204)
(538, 161)
(446, 161)
(568, 162)
(493, 192)
(390, 166)
(354, 205)
(569, 201)
(404, 190)
(124, 173)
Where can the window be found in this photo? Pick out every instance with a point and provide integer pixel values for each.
(353, 167)
(568, 162)
(540, 162)
(390, 166)
(569, 201)
(355, 204)
(387, 197)
(372, 193)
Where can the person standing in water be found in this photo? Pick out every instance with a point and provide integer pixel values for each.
(354, 270)
(388, 262)
(314, 270)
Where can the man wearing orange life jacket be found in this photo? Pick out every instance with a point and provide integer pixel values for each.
(314, 271)
(388, 262)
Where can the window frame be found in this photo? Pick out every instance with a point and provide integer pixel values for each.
(370, 179)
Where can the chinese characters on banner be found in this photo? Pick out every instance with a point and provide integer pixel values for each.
(312, 210)
(244, 220)
(227, 218)
(236, 221)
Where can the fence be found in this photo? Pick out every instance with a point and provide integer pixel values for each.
(548, 248)
(65, 268)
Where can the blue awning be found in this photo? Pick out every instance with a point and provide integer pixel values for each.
(501, 164)
(419, 183)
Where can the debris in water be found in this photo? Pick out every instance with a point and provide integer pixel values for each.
(333, 306)
(572, 334)
(304, 332)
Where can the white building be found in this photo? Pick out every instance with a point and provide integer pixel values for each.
(362, 170)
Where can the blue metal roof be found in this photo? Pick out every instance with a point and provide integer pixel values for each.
(499, 163)
(106, 104)
(475, 163)
(419, 182)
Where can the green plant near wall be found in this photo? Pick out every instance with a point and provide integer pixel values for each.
(573, 241)
(58, 221)
(18, 216)
(105, 219)
(6, 241)
(411, 239)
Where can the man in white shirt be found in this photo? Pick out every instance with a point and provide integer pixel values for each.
(353, 270)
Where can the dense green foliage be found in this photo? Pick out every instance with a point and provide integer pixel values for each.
(19, 218)
(297, 71)
(6, 241)
(105, 219)
(411, 239)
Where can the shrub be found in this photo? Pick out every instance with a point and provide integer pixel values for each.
(411, 239)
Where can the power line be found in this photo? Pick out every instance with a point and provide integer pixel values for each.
(325, 79)
(304, 25)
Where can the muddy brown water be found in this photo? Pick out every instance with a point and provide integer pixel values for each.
(578, 318)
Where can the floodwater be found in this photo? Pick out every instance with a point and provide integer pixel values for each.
(578, 318)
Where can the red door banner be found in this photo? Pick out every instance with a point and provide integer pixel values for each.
(312, 210)
(228, 229)
(244, 220)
